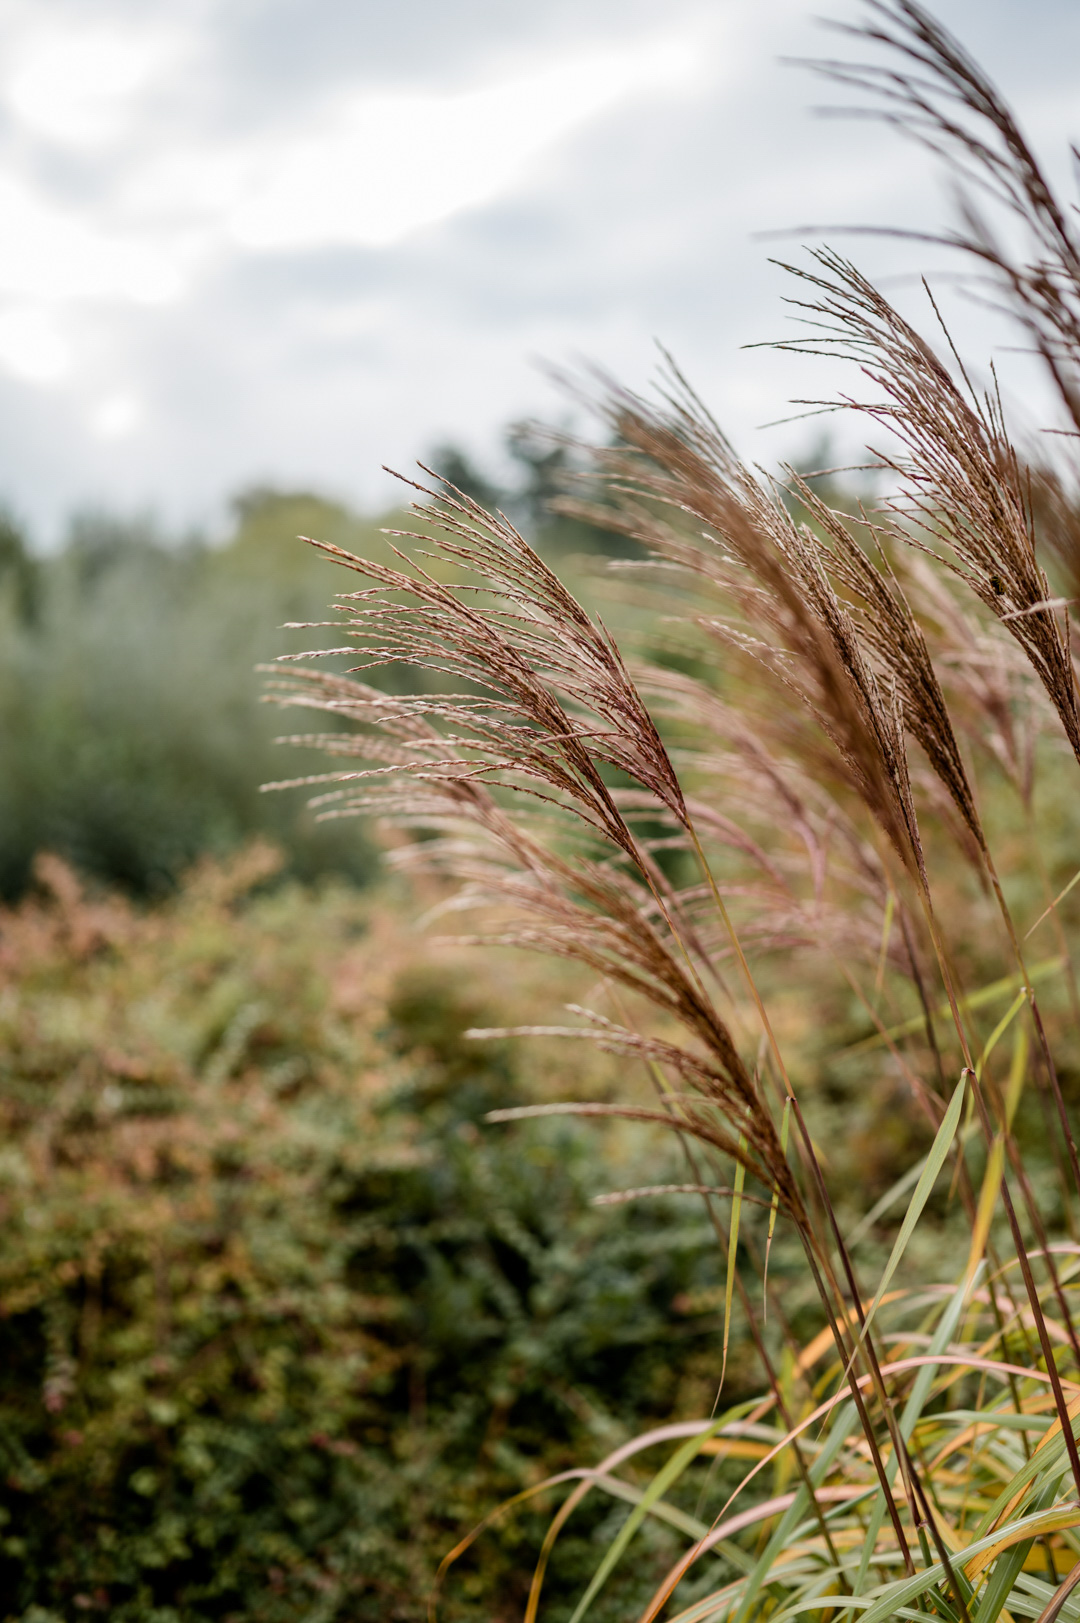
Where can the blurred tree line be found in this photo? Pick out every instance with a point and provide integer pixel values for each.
(131, 728)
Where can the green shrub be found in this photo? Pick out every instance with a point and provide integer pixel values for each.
(278, 1319)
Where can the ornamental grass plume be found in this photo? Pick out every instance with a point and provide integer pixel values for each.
(961, 482)
(549, 705)
(851, 701)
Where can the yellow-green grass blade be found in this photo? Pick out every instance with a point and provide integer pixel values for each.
(939, 1150)
(909, 1419)
(988, 1198)
(974, 1000)
(664, 1512)
(785, 1124)
(1000, 1029)
(1017, 1073)
(1060, 897)
(1007, 1418)
(1048, 1462)
(895, 1595)
(844, 1424)
(1004, 1575)
(668, 1474)
(732, 1258)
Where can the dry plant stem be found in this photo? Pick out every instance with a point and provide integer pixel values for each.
(1056, 1091)
(774, 1385)
(1035, 846)
(1032, 1295)
(998, 1272)
(811, 1158)
(663, 1091)
(948, 980)
(961, 1173)
(1043, 1241)
(755, 1332)
(1055, 1132)
(847, 1356)
(988, 1134)
(916, 975)
(1036, 1016)
(947, 977)
(1052, 1610)
(787, 1093)
(930, 1520)
(1055, 1088)
(785, 1413)
(864, 1345)
(933, 1108)
(1013, 1151)
(848, 1353)
(736, 947)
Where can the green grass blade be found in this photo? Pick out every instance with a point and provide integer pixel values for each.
(1046, 1461)
(1006, 1570)
(785, 1124)
(845, 1423)
(934, 1163)
(909, 1419)
(889, 1600)
(1002, 1579)
(669, 1473)
(1000, 1029)
(1060, 897)
(732, 1258)
(974, 1000)
(900, 1187)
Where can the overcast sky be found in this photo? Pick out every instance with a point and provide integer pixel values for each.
(286, 241)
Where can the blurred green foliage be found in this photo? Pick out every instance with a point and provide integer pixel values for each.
(131, 728)
(279, 1320)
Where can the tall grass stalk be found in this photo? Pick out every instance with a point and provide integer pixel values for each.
(814, 780)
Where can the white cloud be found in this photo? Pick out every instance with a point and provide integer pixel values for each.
(31, 346)
(178, 179)
(116, 416)
(387, 165)
(76, 84)
(375, 169)
(49, 250)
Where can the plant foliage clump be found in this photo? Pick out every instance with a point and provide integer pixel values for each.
(278, 1318)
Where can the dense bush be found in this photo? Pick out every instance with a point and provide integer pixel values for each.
(278, 1319)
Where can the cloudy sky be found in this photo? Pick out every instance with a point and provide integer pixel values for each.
(286, 241)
